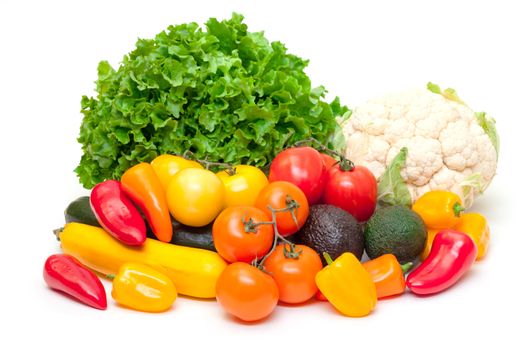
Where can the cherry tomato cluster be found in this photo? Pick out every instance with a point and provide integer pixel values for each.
(265, 267)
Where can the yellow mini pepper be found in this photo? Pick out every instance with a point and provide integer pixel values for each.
(475, 225)
(431, 233)
(439, 209)
(347, 285)
(142, 288)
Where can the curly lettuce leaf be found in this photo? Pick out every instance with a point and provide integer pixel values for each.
(391, 188)
(222, 92)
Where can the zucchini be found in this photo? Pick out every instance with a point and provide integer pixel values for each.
(80, 211)
(196, 237)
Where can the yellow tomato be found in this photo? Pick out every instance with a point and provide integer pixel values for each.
(195, 196)
(243, 186)
(167, 165)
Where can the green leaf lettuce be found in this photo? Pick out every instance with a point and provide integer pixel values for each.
(222, 92)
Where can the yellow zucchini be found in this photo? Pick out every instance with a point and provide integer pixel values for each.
(193, 271)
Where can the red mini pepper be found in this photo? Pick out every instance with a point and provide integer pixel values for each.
(116, 213)
(65, 273)
(452, 254)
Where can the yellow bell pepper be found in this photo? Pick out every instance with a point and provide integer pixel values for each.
(439, 209)
(431, 233)
(193, 271)
(142, 288)
(475, 225)
(347, 285)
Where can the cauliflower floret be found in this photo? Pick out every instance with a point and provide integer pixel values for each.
(448, 149)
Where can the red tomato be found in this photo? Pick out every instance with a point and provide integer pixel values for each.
(246, 292)
(235, 240)
(302, 166)
(354, 190)
(279, 195)
(329, 161)
(294, 275)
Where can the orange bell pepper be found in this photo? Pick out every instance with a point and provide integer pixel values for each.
(475, 225)
(387, 275)
(144, 188)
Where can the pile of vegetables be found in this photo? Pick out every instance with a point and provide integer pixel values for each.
(213, 174)
(253, 241)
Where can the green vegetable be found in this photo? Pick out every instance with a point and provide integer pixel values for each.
(391, 188)
(395, 230)
(80, 211)
(223, 93)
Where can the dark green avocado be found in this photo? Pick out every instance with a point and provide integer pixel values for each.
(332, 230)
(396, 230)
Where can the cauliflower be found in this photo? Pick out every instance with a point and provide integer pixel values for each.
(422, 140)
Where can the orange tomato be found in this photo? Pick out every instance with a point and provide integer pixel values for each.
(280, 195)
(246, 292)
(238, 236)
(295, 276)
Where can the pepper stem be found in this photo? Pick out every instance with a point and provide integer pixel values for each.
(406, 267)
(457, 209)
(110, 276)
(327, 258)
(57, 233)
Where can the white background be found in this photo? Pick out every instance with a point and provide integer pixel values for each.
(48, 57)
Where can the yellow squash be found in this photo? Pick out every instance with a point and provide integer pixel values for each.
(193, 271)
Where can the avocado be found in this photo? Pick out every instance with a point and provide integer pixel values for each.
(396, 230)
(332, 230)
